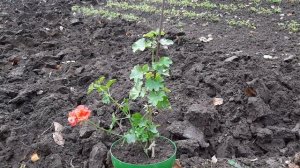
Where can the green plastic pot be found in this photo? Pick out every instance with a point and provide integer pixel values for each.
(168, 163)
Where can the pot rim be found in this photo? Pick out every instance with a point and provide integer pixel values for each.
(152, 164)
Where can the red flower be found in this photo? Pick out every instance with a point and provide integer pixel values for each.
(79, 114)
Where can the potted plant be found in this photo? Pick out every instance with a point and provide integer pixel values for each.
(141, 146)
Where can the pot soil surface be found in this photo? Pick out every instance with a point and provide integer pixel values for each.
(48, 57)
(135, 154)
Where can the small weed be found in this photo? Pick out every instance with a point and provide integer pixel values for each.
(267, 11)
(256, 2)
(208, 5)
(90, 11)
(293, 26)
(241, 23)
(229, 7)
(274, 1)
(210, 17)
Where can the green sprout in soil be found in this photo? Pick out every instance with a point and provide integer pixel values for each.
(126, 6)
(169, 12)
(210, 17)
(274, 1)
(90, 11)
(262, 10)
(256, 2)
(208, 5)
(292, 26)
(241, 23)
(228, 7)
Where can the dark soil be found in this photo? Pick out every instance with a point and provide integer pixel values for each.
(135, 154)
(48, 57)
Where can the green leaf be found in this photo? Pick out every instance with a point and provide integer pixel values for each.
(130, 137)
(143, 92)
(139, 45)
(164, 104)
(165, 61)
(153, 129)
(110, 83)
(90, 88)
(153, 34)
(154, 97)
(113, 121)
(100, 80)
(149, 75)
(234, 164)
(154, 83)
(166, 42)
(136, 118)
(145, 68)
(137, 73)
(100, 88)
(162, 66)
(135, 92)
(165, 89)
(125, 106)
(95, 84)
(105, 99)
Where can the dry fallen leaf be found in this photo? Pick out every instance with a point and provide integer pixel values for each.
(58, 138)
(205, 40)
(253, 160)
(214, 159)
(177, 164)
(293, 165)
(35, 157)
(23, 165)
(58, 127)
(250, 92)
(217, 101)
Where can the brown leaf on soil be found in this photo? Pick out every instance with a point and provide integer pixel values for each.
(250, 92)
(35, 157)
(217, 101)
(214, 159)
(23, 165)
(293, 165)
(58, 127)
(58, 138)
(177, 164)
(296, 159)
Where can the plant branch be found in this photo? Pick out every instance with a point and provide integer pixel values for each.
(103, 129)
(160, 27)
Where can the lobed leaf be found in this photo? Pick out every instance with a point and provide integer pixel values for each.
(155, 97)
(164, 104)
(139, 45)
(137, 73)
(110, 83)
(136, 90)
(105, 98)
(166, 42)
(154, 84)
(130, 137)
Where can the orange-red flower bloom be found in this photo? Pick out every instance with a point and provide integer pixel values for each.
(79, 114)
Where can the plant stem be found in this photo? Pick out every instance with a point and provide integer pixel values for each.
(160, 28)
(103, 129)
(114, 101)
